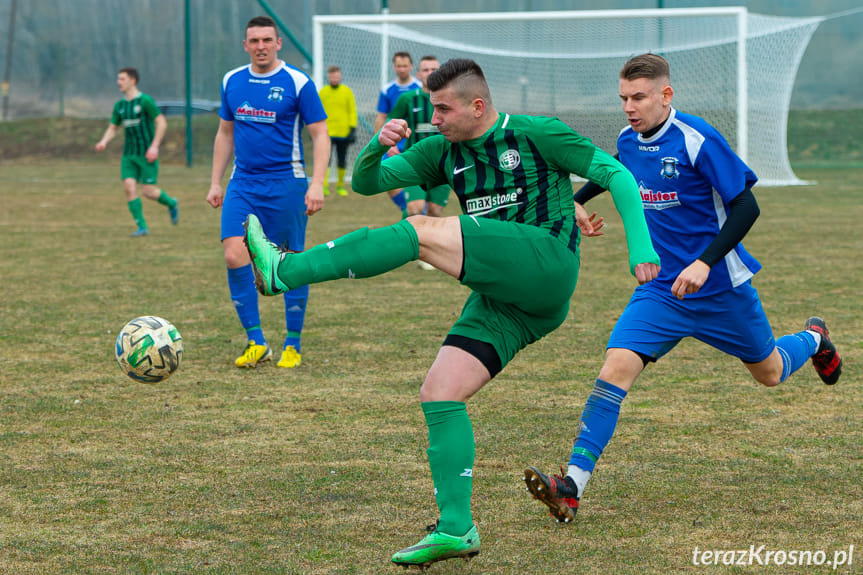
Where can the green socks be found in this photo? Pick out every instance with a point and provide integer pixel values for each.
(166, 200)
(360, 254)
(451, 458)
(137, 210)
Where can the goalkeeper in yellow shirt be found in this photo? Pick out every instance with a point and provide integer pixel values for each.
(341, 109)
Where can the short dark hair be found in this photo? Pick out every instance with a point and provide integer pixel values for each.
(403, 55)
(651, 66)
(131, 72)
(333, 68)
(464, 75)
(428, 57)
(262, 22)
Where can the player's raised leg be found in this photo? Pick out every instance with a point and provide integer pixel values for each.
(359, 254)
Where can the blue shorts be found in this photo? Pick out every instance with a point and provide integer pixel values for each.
(732, 321)
(280, 204)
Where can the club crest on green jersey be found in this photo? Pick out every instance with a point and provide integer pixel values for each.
(509, 160)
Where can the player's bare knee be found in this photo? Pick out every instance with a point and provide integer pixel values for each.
(767, 372)
(767, 381)
(430, 392)
(443, 393)
(236, 255)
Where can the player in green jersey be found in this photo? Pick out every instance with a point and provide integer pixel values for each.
(144, 127)
(516, 247)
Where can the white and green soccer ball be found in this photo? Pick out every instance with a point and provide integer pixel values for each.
(149, 349)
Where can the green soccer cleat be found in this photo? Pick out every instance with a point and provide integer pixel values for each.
(265, 256)
(342, 192)
(438, 546)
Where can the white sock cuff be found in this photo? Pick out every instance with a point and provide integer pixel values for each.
(579, 476)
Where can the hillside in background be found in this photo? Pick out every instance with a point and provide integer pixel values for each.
(814, 137)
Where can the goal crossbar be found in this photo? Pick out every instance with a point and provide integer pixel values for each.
(527, 56)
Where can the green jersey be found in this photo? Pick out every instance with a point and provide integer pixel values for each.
(517, 171)
(137, 116)
(416, 109)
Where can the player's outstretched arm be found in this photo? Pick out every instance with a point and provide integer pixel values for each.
(613, 176)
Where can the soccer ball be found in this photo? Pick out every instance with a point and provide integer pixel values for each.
(149, 349)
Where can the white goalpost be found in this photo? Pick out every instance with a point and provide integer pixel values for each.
(734, 68)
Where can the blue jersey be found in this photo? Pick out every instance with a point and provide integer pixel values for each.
(687, 175)
(269, 112)
(391, 92)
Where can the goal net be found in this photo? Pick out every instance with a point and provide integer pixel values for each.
(733, 68)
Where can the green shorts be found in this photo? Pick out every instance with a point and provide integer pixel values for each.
(438, 195)
(139, 169)
(522, 280)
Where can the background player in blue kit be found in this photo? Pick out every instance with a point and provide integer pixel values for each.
(403, 65)
(698, 202)
(264, 107)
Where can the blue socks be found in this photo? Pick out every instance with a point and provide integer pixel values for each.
(598, 421)
(795, 349)
(244, 296)
(400, 200)
(295, 314)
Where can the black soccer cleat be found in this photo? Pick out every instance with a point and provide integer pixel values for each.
(826, 360)
(559, 493)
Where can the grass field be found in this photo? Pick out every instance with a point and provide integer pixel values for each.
(323, 469)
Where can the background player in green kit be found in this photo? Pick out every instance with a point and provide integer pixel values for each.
(515, 247)
(416, 109)
(144, 127)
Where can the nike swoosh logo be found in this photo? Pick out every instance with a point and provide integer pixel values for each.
(457, 171)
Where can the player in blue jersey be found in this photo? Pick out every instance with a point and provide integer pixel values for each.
(698, 202)
(265, 105)
(403, 64)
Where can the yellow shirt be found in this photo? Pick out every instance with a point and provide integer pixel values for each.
(341, 109)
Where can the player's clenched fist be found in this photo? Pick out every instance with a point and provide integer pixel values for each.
(393, 132)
